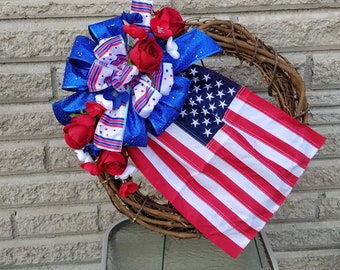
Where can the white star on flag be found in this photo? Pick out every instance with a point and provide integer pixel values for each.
(199, 99)
(207, 132)
(210, 96)
(231, 91)
(219, 84)
(194, 112)
(193, 71)
(220, 93)
(195, 122)
(206, 77)
(183, 113)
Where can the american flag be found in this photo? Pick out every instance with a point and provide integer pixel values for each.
(229, 161)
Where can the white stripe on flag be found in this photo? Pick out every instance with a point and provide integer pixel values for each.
(228, 142)
(224, 167)
(218, 191)
(270, 124)
(271, 153)
(189, 196)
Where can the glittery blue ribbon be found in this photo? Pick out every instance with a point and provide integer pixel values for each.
(192, 46)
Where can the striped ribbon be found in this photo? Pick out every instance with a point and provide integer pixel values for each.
(144, 8)
(147, 93)
(111, 67)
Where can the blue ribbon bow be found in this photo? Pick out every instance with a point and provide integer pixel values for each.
(192, 46)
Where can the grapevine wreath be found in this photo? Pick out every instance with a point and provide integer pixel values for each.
(129, 84)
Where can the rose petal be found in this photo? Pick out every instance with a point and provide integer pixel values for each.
(91, 168)
(128, 188)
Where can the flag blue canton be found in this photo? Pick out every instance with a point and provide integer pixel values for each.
(207, 100)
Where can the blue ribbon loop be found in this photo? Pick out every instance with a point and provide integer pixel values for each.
(106, 29)
(73, 104)
(193, 46)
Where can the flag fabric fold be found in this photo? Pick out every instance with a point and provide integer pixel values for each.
(229, 161)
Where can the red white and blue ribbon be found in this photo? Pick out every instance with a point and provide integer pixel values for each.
(111, 67)
(110, 129)
(144, 8)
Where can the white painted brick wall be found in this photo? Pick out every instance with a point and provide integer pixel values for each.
(53, 215)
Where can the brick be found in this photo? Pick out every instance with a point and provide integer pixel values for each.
(25, 82)
(216, 6)
(320, 174)
(36, 121)
(57, 250)
(61, 156)
(5, 224)
(299, 205)
(50, 189)
(310, 259)
(68, 8)
(59, 76)
(331, 148)
(56, 220)
(304, 235)
(52, 38)
(21, 157)
(329, 206)
(289, 30)
(324, 116)
(108, 214)
(324, 98)
(326, 70)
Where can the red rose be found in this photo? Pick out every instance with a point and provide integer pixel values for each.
(146, 55)
(91, 167)
(128, 188)
(94, 109)
(174, 19)
(80, 132)
(112, 162)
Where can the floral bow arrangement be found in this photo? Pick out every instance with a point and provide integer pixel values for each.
(127, 82)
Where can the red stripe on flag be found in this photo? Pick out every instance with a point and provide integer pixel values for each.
(280, 116)
(150, 171)
(214, 173)
(285, 175)
(249, 173)
(183, 174)
(267, 138)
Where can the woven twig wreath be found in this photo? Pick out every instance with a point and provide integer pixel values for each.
(285, 85)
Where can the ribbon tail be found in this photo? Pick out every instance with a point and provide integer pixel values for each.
(164, 79)
(109, 132)
(135, 131)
